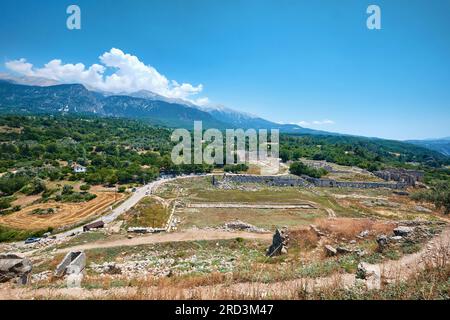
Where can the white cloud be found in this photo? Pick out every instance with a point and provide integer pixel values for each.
(202, 102)
(20, 66)
(129, 74)
(315, 123)
(303, 123)
(323, 122)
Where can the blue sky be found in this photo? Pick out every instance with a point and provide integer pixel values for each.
(309, 62)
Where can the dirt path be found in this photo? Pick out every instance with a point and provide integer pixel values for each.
(189, 235)
(410, 264)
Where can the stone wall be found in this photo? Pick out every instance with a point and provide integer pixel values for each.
(305, 181)
(280, 181)
(353, 184)
(409, 177)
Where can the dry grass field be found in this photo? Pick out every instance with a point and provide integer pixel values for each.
(149, 212)
(65, 214)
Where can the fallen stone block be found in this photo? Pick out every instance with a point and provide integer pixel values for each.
(73, 263)
(403, 231)
(371, 274)
(14, 267)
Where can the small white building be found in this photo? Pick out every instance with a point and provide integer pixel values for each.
(79, 169)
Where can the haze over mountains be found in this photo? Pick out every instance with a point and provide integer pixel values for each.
(439, 145)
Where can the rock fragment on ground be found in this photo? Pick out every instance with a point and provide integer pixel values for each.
(14, 267)
(403, 231)
(330, 251)
(370, 273)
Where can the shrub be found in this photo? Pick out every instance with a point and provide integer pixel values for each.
(48, 193)
(40, 211)
(9, 184)
(439, 195)
(5, 203)
(36, 186)
(85, 187)
(235, 168)
(67, 190)
(76, 197)
(299, 168)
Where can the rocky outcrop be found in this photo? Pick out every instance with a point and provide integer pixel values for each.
(14, 267)
(280, 243)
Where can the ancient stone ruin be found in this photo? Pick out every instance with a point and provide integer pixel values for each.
(73, 262)
(280, 243)
(409, 177)
(14, 267)
(306, 181)
(73, 266)
(278, 181)
(144, 230)
(242, 226)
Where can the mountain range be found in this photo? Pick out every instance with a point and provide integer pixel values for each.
(439, 145)
(26, 98)
(142, 105)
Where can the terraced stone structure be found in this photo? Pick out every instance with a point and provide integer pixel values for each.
(409, 177)
(279, 181)
(305, 181)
